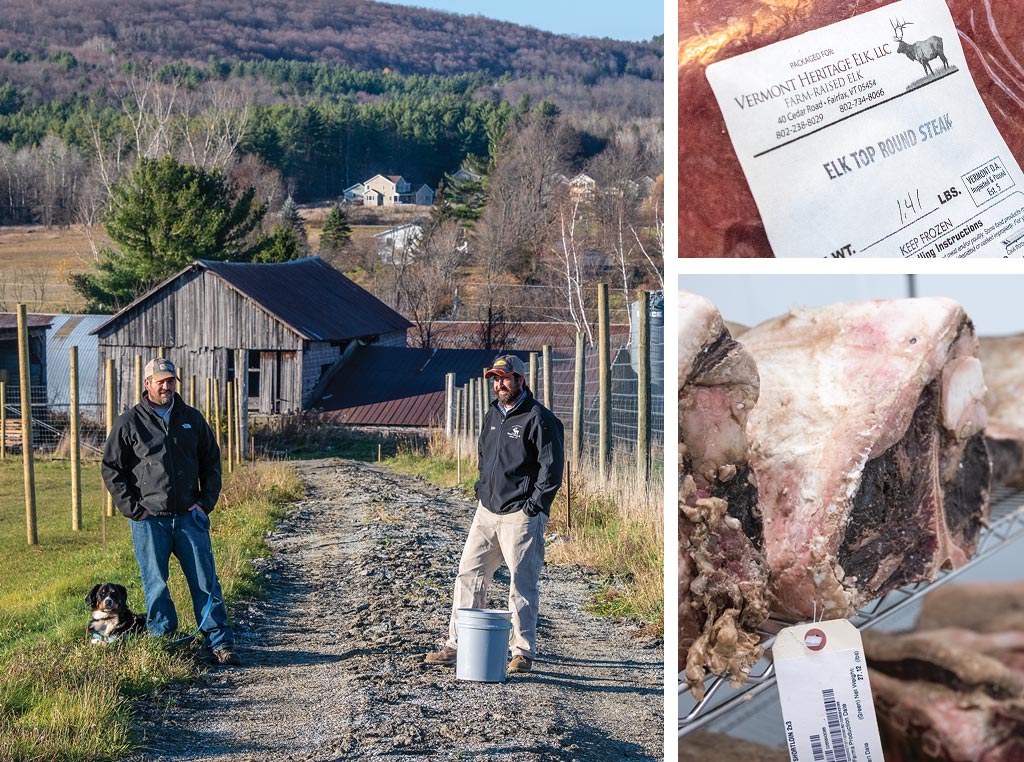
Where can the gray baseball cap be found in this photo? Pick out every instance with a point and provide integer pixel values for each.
(159, 368)
(506, 365)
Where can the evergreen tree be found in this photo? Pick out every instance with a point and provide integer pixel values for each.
(285, 245)
(291, 219)
(337, 233)
(162, 216)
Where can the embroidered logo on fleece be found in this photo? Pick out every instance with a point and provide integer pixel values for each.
(515, 433)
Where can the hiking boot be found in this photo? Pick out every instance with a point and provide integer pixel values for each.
(446, 656)
(520, 663)
(226, 656)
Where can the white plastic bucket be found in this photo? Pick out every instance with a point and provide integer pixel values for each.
(483, 644)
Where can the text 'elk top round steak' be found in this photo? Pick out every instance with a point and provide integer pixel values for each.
(723, 578)
(866, 441)
(717, 213)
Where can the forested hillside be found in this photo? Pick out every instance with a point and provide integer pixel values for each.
(360, 33)
(113, 115)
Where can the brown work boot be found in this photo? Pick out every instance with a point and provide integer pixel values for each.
(520, 663)
(446, 656)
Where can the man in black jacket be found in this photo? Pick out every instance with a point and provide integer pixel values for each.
(161, 464)
(521, 457)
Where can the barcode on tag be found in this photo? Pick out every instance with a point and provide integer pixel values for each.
(825, 694)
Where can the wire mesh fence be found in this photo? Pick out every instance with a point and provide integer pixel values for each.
(625, 356)
(51, 424)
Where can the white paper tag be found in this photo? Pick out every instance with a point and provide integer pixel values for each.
(852, 149)
(825, 695)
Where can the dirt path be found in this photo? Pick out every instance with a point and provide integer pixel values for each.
(359, 587)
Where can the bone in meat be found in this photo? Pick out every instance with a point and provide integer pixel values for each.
(723, 578)
(872, 470)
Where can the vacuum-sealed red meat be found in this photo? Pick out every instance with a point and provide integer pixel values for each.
(717, 213)
(723, 579)
(872, 470)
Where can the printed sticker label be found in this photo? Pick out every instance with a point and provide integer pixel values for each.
(868, 138)
(825, 694)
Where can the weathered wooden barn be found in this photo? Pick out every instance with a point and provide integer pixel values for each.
(291, 325)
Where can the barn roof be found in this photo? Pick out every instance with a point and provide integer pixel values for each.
(399, 386)
(526, 336)
(9, 321)
(307, 295)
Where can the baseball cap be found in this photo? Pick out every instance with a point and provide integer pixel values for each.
(160, 368)
(506, 365)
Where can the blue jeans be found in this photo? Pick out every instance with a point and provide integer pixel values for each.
(155, 538)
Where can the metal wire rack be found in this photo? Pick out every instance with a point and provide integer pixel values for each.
(1006, 524)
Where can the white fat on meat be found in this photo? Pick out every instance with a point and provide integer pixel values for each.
(839, 387)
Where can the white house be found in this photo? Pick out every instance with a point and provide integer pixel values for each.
(394, 245)
(388, 190)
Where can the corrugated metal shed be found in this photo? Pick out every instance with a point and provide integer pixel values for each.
(394, 386)
(73, 331)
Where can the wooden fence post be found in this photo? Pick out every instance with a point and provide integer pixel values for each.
(549, 394)
(229, 397)
(457, 423)
(577, 399)
(108, 499)
(26, 427)
(485, 399)
(138, 379)
(216, 409)
(76, 448)
(643, 399)
(192, 390)
(242, 379)
(449, 404)
(3, 420)
(605, 383)
(532, 380)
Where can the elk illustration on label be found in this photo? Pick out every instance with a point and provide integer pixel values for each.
(923, 51)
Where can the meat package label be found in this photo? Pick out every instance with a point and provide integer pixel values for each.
(825, 695)
(868, 138)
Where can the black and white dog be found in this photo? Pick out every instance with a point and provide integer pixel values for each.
(111, 618)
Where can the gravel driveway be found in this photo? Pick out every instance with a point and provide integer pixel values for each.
(358, 588)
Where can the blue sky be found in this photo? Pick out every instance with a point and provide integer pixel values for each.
(638, 20)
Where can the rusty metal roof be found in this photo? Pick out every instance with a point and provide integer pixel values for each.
(399, 386)
(9, 321)
(525, 337)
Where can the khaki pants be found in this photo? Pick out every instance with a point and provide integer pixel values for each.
(518, 540)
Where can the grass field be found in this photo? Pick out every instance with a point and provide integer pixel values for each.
(35, 261)
(56, 690)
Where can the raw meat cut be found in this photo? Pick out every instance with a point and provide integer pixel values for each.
(717, 213)
(872, 470)
(1002, 360)
(921, 721)
(939, 700)
(978, 606)
(723, 579)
